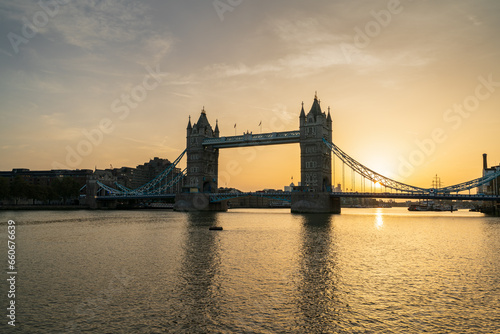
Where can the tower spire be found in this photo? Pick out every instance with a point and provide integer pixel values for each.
(315, 108)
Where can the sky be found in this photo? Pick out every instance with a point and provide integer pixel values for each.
(413, 86)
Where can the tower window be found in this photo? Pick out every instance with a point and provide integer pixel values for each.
(310, 149)
(311, 164)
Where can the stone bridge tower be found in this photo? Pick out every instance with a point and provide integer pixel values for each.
(202, 161)
(315, 156)
(202, 169)
(315, 164)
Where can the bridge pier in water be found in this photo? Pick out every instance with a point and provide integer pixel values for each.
(311, 202)
(197, 202)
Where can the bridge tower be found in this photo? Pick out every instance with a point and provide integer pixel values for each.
(202, 168)
(202, 162)
(315, 156)
(315, 163)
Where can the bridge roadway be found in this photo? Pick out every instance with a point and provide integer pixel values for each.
(249, 139)
(463, 197)
(286, 196)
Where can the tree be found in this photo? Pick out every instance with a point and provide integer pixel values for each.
(19, 188)
(38, 192)
(71, 188)
(4, 188)
(65, 188)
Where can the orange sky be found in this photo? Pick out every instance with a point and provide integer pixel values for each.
(413, 86)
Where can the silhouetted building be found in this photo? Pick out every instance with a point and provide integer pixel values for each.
(46, 177)
(134, 178)
(124, 176)
(493, 187)
(149, 170)
(203, 162)
(290, 187)
(316, 167)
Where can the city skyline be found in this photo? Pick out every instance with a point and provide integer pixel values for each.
(413, 86)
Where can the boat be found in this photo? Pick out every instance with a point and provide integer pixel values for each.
(430, 206)
(418, 207)
(215, 228)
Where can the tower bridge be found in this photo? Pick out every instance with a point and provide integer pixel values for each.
(204, 142)
(200, 178)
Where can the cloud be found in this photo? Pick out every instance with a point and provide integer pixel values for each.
(117, 29)
(303, 32)
(2, 51)
(474, 20)
(226, 70)
(95, 24)
(53, 119)
(182, 95)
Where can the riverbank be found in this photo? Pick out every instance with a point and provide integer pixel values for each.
(42, 207)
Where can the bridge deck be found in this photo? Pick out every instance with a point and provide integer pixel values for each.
(215, 197)
(437, 196)
(131, 197)
(249, 139)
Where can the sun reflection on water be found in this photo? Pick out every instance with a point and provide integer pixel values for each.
(379, 219)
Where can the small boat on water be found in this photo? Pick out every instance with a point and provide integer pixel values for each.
(215, 228)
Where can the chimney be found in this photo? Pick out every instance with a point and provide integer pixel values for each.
(485, 161)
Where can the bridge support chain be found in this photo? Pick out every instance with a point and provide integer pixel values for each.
(91, 197)
(315, 202)
(197, 202)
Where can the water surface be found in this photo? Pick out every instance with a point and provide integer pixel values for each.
(268, 271)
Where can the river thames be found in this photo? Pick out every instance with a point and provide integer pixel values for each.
(364, 271)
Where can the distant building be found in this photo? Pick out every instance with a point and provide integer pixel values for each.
(124, 175)
(338, 188)
(224, 190)
(149, 170)
(290, 187)
(43, 186)
(129, 177)
(133, 178)
(46, 177)
(493, 187)
(268, 190)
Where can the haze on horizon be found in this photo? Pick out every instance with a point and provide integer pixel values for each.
(407, 81)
